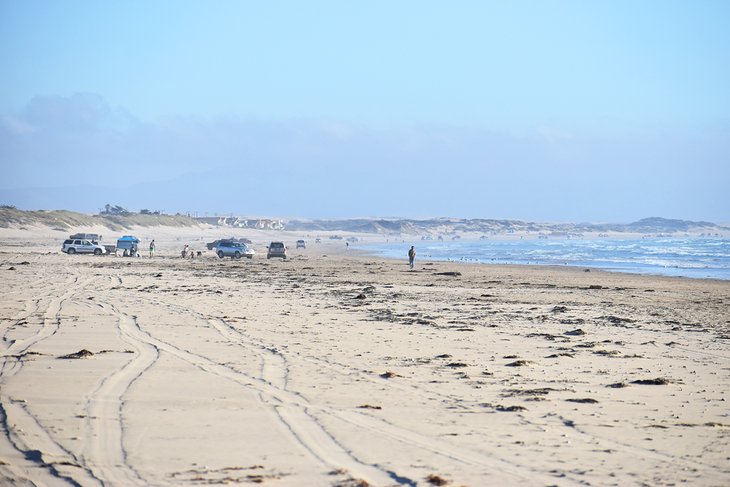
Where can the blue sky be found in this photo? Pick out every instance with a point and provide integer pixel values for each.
(541, 110)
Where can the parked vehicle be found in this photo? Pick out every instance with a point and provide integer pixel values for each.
(234, 250)
(301, 244)
(81, 246)
(212, 245)
(215, 243)
(93, 237)
(276, 249)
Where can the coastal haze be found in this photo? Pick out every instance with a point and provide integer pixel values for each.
(560, 168)
(560, 111)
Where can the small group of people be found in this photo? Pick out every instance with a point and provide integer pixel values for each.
(133, 250)
(186, 252)
(130, 252)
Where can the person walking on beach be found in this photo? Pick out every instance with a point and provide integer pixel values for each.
(411, 256)
(152, 248)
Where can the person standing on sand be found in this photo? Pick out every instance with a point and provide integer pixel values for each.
(152, 248)
(412, 256)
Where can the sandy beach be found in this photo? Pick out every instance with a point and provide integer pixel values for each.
(334, 368)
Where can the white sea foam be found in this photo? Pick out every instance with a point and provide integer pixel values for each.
(699, 258)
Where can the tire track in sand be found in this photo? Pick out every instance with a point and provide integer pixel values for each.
(32, 307)
(44, 460)
(50, 462)
(290, 408)
(273, 369)
(104, 452)
(300, 417)
(371, 424)
(51, 322)
(293, 410)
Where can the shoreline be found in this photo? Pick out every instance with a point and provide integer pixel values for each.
(30, 242)
(172, 239)
(469, 254)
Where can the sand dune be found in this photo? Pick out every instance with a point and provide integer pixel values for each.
(338, 369)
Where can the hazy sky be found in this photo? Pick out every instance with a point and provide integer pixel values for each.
(541, 110)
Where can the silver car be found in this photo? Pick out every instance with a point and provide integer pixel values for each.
(234, 250)
(82, 246)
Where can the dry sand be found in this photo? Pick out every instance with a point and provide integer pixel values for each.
(334, 368)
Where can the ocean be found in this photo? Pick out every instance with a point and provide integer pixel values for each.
(687, 257)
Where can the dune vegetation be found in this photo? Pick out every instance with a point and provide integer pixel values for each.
(64, 219)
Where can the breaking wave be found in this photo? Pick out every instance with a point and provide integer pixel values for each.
(688, 257)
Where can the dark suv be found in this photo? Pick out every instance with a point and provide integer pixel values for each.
(276, 249)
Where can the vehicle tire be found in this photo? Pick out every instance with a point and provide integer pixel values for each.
(250, 256)
(71, 251)
(237, 255)
(220, 254)
(97, 251)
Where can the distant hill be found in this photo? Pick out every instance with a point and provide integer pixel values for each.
(66, 220)
(656, 224)
(447, 226)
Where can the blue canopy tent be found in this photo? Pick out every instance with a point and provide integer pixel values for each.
(129, 244)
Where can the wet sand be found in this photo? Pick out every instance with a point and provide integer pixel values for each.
(333, 368)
